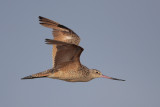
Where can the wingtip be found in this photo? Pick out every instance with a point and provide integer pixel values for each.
(51, 41)
(47, 41)
(40, 17)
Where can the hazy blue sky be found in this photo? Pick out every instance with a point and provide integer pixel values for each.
(121, 38)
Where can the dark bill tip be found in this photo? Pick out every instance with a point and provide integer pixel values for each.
(104, 76)
(117, 79)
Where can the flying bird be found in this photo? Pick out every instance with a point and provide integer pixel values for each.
(68, 66)
(60, 33)
(66, 56)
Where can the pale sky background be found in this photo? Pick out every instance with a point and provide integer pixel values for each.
(121, 38)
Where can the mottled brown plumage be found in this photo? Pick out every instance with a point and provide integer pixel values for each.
(68, 66)
(60, 33)
(66, 56)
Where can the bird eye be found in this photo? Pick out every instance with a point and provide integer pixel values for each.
(97, 72)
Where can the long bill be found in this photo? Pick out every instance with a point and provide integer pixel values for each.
(104, 76)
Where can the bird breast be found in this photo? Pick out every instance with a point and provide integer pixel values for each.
(80, 75)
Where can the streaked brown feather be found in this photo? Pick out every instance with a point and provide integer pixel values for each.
(66, 53)
(60, 33)
(54, 25)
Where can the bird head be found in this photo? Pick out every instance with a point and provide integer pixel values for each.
(97, 74)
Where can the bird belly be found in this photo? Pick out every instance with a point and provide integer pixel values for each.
(69, 76)
(77, 80)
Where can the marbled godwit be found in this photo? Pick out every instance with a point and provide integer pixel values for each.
(68, 66)
(60, 33)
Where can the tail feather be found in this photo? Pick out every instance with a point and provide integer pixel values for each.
(39, 75)
(32, 77)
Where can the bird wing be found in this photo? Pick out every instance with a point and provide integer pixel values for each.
(66, 53)
(60, 33)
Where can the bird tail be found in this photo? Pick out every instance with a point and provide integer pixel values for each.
(39, 75)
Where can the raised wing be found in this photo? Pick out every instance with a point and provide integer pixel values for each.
(66, 53)
(60, 32)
